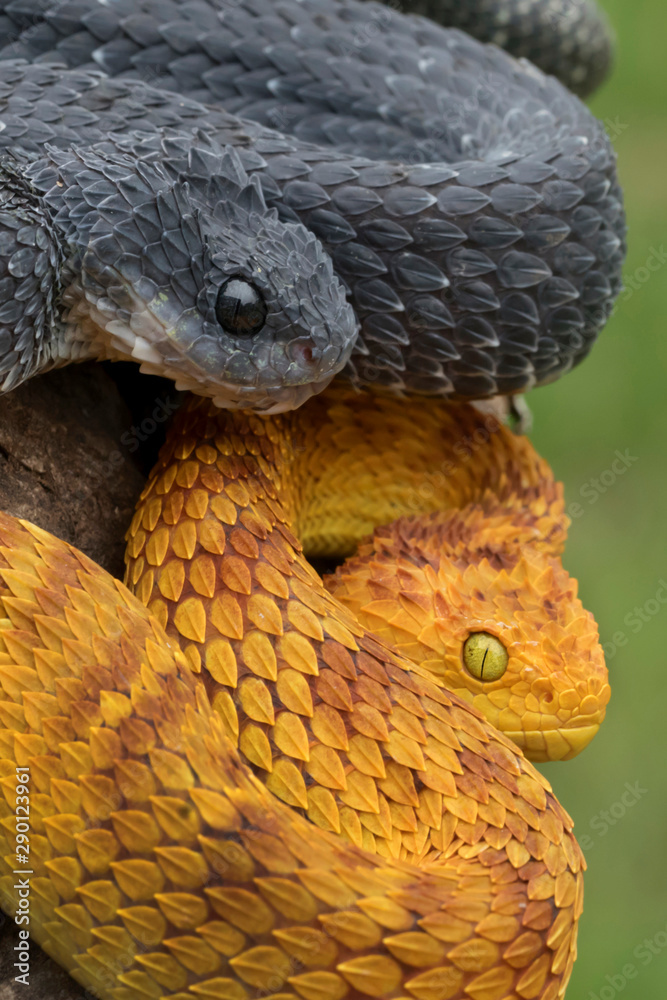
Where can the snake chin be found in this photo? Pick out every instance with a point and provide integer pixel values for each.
(267, 401)
(541, 746)
(274, 401)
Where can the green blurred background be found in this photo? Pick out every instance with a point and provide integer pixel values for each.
(617, 547)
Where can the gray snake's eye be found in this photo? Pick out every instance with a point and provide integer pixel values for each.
(239, 308)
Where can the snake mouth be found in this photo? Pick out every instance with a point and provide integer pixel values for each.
(226, 395)
(269, 400)
(542, 746)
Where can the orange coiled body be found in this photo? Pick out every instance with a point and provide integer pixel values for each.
(480, 550)
(286, 808)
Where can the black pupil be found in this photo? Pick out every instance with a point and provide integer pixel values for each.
(239, 308)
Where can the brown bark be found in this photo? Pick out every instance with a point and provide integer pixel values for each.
(63, 463)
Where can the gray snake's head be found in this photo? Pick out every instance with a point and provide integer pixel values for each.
(181, 266)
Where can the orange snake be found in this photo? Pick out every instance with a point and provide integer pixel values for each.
(278, 804)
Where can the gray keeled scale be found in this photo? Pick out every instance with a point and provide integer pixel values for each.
(28, 284)
(469, 277)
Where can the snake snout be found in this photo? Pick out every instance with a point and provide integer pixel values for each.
(305, 355)
(564, 708)
(308, 358)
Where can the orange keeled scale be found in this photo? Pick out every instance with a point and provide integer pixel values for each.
(385, 840)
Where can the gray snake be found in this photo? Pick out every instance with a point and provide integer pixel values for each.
(250, 196)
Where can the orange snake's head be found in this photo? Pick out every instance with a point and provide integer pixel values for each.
(513, 638)
(499, 624)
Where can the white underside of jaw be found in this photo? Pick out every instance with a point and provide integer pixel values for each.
(92, 330)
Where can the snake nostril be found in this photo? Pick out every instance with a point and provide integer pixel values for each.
(304, 354)
(548, 697)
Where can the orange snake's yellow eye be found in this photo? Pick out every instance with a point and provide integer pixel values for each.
(484, 656)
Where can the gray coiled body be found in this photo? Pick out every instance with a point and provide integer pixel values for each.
(469, 204)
